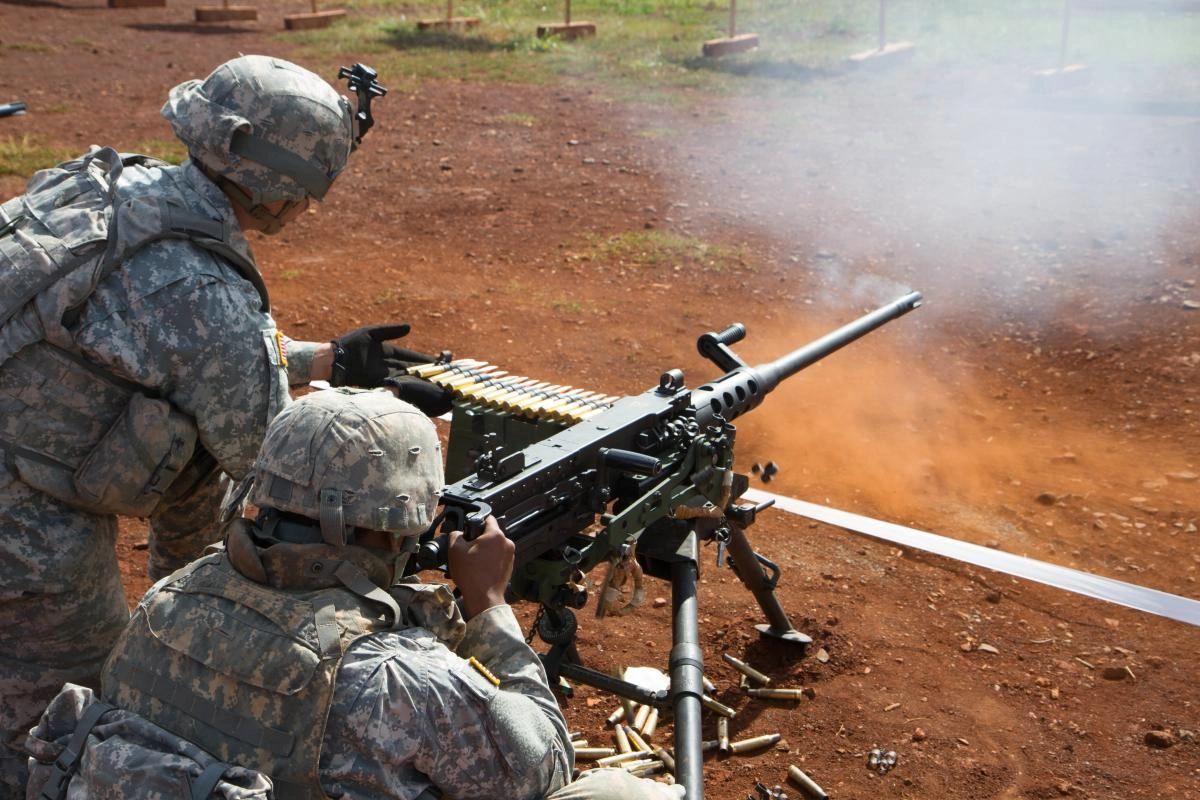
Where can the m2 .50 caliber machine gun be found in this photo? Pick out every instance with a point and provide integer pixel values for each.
(635, 482)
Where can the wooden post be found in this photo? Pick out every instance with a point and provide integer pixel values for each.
(567, 29)
(884, 53)
(1066, 76)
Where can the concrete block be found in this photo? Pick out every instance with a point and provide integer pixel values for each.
(137, 3)
(715, 48)
(226, 13)
(445, 24)
(567, 30)
(1056, 80)
(317, 19)
(892, 53)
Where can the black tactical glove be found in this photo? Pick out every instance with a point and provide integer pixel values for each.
(360, 358)
(427, 396)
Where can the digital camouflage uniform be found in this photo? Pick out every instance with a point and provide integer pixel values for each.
(187, 325)
(287, 657)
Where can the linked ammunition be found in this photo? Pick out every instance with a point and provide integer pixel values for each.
(720, 708)
(807, 784)
(594, 753)
(747, 670)
(723, 734)
(777, 693)
(754, 743)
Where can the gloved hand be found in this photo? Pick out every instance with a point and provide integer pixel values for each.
(361, 357)
(425, 395)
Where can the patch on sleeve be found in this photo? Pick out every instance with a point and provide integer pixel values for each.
(281, 347)
(484, 671)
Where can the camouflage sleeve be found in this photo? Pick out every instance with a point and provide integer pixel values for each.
(408, 712)
(185, 325)
(299, 360)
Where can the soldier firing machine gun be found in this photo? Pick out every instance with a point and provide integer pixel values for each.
(577, 479)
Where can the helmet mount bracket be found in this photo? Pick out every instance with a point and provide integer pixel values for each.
(361, 80)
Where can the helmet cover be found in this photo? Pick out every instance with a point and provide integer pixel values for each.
(351, 458)
(272, 127)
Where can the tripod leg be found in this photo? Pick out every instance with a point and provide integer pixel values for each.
(752, 576)
(687, 669)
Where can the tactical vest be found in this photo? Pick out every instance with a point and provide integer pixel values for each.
(242, 670)
(69, 427)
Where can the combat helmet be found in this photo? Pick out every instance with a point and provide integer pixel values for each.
(349, 459)
(265, 130)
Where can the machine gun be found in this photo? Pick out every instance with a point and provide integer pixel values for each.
(577, 480)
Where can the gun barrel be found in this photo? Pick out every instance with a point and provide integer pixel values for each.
(744, 388)
(784, 367)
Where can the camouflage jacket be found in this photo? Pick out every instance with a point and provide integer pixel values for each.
(391, 709)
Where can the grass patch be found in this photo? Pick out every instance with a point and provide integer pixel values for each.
(655, 249)
(648, 49)
(26, 154)
(172, 151)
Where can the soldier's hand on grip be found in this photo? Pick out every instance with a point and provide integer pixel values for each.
(481, 567)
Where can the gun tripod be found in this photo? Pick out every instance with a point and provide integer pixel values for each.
(669, 549)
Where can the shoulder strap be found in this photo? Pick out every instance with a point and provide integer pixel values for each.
(67, 762)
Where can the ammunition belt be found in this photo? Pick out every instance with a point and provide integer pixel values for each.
(479, 383)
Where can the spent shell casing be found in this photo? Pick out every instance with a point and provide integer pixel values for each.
(777, 693)
(620, 758)
(623, 745)
(720, 708)
(662, 755)
(747, 670)
(723, 734)
(709, 686)
(635, 739)
(594, 753)
(651, 724)
(578, 743)
(639, 716)
(754, 743)
(616, 716)
(709, 745)
(645, 770)
(806, 784)
(638, 762)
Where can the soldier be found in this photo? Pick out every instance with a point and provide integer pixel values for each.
(139, 363)
(301, 652)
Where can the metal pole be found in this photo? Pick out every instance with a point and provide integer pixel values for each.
(882, 24)
(687, 670)
(1062, 48)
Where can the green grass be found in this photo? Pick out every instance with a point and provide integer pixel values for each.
(647, 49)
(172, 151)
(26, 154)
(654, 249)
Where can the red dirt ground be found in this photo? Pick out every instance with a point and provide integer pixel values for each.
(1043, 401)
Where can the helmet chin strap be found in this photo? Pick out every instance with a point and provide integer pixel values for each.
(268, 223)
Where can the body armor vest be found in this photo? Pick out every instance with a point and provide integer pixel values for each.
(242, 670)
(68, 427)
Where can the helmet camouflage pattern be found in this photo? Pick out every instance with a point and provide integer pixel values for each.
(275, 129)
(351, 458)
